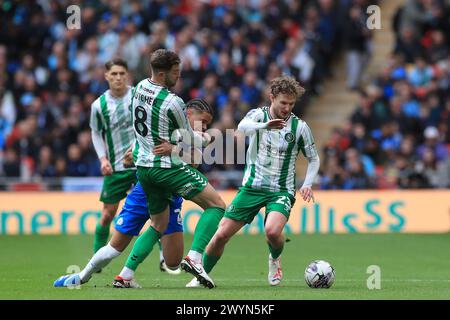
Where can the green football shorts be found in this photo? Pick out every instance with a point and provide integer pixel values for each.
(116, 186)
(247, 203)
(160, 184)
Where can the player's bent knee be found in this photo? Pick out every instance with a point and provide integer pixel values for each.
(272, 234)
(222, 237)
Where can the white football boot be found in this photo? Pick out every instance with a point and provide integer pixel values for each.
(194, 283)
(120, 282)
(275, 272)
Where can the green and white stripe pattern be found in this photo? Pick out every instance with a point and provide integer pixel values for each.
(272, 154)
(112, 116)
(157, 113)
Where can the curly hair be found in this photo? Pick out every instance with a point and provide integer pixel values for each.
(286, 85)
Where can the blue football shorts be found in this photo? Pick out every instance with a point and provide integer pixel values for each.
(135, 213)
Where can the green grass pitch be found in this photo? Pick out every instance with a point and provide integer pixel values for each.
(412, 267)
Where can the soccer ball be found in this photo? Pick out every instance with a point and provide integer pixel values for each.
(319, 274)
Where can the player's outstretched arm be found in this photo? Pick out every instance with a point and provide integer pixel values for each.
(253, 121)
(248, 125)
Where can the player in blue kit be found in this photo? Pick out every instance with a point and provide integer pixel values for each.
(135, 214)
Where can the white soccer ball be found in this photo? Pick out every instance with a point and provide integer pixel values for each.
(319, 274)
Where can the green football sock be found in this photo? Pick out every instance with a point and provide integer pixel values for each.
(101, 236)
(275, 253)
(209, 262)
(142, 248)
(206, 227)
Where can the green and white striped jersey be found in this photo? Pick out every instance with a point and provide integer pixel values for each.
(112, 117)
(272, 154)
(157, 113)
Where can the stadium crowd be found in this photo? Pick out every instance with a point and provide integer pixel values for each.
(50, 75)
(398, 136)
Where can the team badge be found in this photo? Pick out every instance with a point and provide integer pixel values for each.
(289, 137)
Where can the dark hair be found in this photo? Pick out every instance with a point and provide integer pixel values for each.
(116, 62)
(163, 60)
(200, 105)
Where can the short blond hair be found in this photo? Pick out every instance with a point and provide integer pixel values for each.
(286, 85)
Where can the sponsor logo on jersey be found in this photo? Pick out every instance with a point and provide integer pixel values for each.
(148, 90)
(273, 150)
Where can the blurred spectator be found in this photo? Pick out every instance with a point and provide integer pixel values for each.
(357, 46)
(408, 45)
(76, 167)
(11, 163)
(433, 142)
(436, 172)
(414, 14)
(355, 177)
(45, 166)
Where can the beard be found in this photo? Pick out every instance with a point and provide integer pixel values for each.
(169, 81)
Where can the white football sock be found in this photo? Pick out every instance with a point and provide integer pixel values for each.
(195, 256)
(161, 256)
(100, 259)
(127, 273)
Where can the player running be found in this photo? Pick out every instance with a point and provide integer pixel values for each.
(112, 135)
(157, 113)
(135, 214)
(276, 138)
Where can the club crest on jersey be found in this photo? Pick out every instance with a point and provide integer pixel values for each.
(289, 137)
